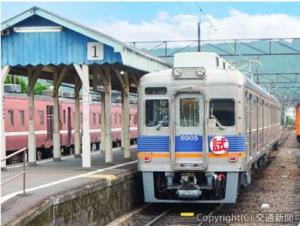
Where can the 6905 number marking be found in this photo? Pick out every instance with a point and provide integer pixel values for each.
(189, 138)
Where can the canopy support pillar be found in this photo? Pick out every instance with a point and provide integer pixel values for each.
(32, 78)
(123, 78)
(77, 118)
(83, 72)
(4, 72)
(58, 78)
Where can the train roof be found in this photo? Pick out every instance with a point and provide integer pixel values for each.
(222, 74)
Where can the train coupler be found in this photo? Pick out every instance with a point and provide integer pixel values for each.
(183, 193)
(189, 189)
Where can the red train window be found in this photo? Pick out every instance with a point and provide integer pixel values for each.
(99, 118)
(22, 118)
(94, 118)
(41, 117)
(11, 117)
(64, 116)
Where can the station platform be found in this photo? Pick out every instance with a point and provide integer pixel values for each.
(50, 177)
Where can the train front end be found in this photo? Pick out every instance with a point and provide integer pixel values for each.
(191, 146)
(297, 123)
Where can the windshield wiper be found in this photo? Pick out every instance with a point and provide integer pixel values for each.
(161, 122)
(217, 121)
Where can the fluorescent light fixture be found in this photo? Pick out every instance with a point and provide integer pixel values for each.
(38, 29)
(133, 85)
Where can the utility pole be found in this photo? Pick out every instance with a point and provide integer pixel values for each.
(257, 75)
(199, 36)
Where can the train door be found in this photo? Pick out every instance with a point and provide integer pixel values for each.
(250, 115)
(189, 131)
(49, 122)
(248, 123)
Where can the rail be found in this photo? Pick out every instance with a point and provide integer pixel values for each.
(21, 173)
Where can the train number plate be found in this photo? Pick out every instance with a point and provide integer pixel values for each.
(189, 138)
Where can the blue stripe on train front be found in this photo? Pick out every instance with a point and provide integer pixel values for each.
(236, 143)
(189, 143)
(186, 144)
(153, 143)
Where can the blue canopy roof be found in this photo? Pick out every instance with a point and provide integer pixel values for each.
(65, 47)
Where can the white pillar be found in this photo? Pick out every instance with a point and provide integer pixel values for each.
(125, 112)
(56, 130)
(58, 78)
(32, 78)
(4, 73)
(102, 145)
(125, 124)
(107, 112)
(83, 73)
(77, 119)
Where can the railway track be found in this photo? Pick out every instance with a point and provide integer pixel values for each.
(284, 135)
(160, 214)
(262, 189)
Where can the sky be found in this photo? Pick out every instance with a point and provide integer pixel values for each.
(141, 21)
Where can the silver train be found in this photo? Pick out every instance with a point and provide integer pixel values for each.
(203, 126)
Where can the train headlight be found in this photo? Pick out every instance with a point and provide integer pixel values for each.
(176, 72)
(147, 158)
(200, 72)
(232, 158)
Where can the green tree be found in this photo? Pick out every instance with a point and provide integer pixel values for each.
(289, 121)
(38, 87)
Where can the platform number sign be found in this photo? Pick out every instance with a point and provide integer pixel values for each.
(95, 51)
(219, 145)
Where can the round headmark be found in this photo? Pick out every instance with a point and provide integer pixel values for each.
(219, 145)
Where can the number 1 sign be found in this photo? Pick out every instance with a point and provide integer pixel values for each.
(95, 51)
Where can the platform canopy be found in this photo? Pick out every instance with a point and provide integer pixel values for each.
(41, 45)
(38, 37)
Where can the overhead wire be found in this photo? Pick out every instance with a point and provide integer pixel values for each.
(247, 59)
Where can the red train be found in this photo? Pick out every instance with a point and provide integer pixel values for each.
(16, 123)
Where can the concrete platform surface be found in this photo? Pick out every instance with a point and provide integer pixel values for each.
(49, 177)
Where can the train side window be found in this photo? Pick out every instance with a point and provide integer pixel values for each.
(223, 110)
(99, 118)
(157, 113)
(262, 114)
(22, 118)
(258, 113)
(11, 117)
(41, 117)
(217, 61)
(266, 115)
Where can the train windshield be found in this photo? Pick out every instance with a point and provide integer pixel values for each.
(157, 113)
(223, 111)
(189, 112)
